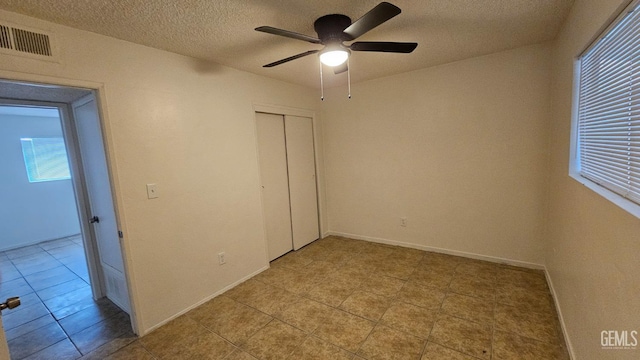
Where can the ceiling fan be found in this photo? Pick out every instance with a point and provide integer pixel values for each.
(334, 29)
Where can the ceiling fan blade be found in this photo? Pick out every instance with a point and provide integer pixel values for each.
(376, 16)
(340, 68)
(383, 46)
(298, 56)
(287, 33)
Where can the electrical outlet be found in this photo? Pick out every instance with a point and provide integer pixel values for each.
(222, 258)
(403, 222)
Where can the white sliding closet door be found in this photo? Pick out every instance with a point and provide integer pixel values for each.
(275, 184)
(302, 180)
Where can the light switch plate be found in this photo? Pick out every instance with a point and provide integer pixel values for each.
(152, 191)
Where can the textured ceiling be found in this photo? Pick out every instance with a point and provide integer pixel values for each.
(222, 30)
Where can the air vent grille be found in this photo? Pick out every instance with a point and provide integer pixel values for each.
(5, 38)
(31, 42)
(22, 41)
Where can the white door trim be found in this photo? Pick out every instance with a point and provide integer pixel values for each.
(100, 90)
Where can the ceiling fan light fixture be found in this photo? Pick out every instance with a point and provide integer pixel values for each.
(334, 57)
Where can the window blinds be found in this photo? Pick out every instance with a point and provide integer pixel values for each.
(45, 159)
(609, 109)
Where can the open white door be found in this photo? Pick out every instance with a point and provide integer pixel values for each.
(4, 349)
(11, 303)
(103, 219)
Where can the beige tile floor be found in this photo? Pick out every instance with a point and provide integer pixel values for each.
(346, 299)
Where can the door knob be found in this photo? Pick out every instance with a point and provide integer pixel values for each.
(12, 302)
(94, 219)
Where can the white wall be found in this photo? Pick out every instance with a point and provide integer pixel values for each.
(189, 127)
(31, 212)
(460, 150)
(592, 245)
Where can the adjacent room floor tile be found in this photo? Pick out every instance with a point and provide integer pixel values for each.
(61, 305)
(35, 341)
(61, 350)
(101, 333)
(131, 352)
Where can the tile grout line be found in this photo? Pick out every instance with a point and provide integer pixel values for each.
(47, 307)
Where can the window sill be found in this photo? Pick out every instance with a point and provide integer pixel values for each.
(625, 204)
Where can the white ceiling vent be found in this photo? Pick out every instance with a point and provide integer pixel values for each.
(22, 41)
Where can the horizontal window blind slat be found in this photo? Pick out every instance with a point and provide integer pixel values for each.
(610, 125)
(618, 174)
(614, 171)
(614, 84)
(612, 45)
(621, 155)
(620, 150)
(614, 98)
(603, 66)
(616, 118)
(621, 190)
(608, 130)
(623, 114)
(617, 40)
(612, 48)
(595, 142)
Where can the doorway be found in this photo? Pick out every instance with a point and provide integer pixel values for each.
(86, 303)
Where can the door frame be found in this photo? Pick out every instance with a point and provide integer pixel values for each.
(77, 183)
(317, 152)
(100, 91)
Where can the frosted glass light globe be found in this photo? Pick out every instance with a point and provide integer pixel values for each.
(334, 57)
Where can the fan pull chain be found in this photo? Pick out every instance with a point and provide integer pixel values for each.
(321, 83)
(349, 76)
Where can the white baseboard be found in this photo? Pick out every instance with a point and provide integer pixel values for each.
(219, 292)
(441, 250)
(35, 242)
(478, 257)
(572, 355)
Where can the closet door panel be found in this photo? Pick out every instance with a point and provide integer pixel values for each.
(302, 180)
(275, 184)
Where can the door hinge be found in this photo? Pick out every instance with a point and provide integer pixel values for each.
(120, 234)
